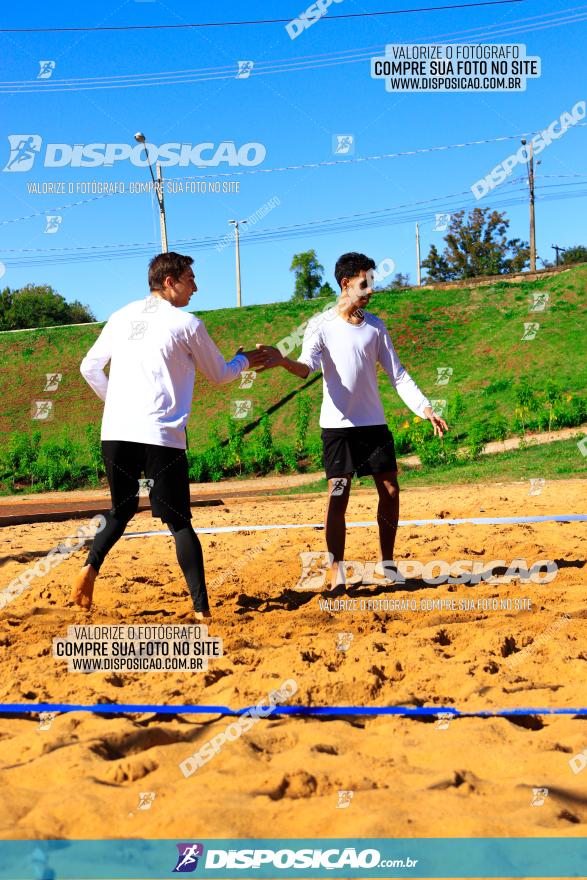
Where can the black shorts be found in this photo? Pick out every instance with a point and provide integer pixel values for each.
(166, 466)
(366, 450)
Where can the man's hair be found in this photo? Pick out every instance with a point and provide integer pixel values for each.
(167, 264)
(351, 265)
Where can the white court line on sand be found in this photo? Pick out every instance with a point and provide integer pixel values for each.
(478, 521)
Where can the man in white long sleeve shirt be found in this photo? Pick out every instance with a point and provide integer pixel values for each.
(347, 344)
(154, 350)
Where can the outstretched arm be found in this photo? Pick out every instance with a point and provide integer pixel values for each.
(405, 385)
(276, 359)
(211, 363)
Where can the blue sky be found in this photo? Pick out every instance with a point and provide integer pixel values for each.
(294, 114)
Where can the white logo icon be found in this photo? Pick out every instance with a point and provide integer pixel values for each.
(343, 641)
(42, 410)
(344, 799)
(241, 408)
(441, 222)
(314, 568)
(23, 151)
(145, 487)
(539, 796)
(582, 446)
(444, 374)
(539, 301)
(46, 71)
(138, 329)
(530, 330)
(343, 144)
(438, 406)
(244, 69)
(53, 380)
(46, 720)
(151, 304)
(53, 222)
(247, 378)
(146, 799)
(339, 486)
(443, 720)
(536, 486)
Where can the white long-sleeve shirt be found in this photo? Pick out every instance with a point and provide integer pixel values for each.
(348, 355)
(154, 350)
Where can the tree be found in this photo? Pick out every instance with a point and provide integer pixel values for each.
(477, 245)
(575, 254)
(326, 290)
(39, 306)
(399, 281)
(308, 275)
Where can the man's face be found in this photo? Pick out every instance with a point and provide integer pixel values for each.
(179, 290)
(358, 290)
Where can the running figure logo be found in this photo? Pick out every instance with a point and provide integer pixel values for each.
(539, 796)
(138, 329)
(344, 799)
(339, 486)
(530, 330)
(343, 144)
(187, 860)
(241, 408)
(42, 409)
(343, 641)
(539, 301)
(443, 719)
(53, 380)
(53, 222)
(46, 71)
(247, 378)
(146, 799)
(23, 151)
(444, 374)
(244, 69)
(314, 569)
(438, 407)
(441, 222)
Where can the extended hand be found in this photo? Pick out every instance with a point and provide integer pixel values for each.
(257, 357)
(272, 355)
(439, 425)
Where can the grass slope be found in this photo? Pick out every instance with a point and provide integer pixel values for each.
(477, 332)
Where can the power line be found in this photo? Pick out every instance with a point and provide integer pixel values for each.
(324, 226)
(277, 66)
(214, 24)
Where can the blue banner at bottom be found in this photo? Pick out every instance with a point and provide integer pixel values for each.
(304, 858)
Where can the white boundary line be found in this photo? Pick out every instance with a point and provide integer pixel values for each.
(479, 521)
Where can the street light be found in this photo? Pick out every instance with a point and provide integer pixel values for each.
(235, 223)
(158, 184)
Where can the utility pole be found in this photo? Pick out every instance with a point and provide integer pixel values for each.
(158, 186)
(418, 271)
(162, 221)
(532, 214)
(556, 248)
(235, 223)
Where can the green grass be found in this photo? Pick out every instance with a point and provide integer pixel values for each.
(560, 460)
(477, 332)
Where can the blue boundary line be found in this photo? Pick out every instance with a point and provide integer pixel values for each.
(308, 711)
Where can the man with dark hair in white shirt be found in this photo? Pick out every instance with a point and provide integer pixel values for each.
(154, 350)
(347, 344)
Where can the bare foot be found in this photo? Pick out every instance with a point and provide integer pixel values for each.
(202, 615)
(337, 576)
(83, 587)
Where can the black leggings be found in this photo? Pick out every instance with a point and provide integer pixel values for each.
(187, 548)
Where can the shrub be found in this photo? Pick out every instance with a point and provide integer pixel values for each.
(302, 422)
